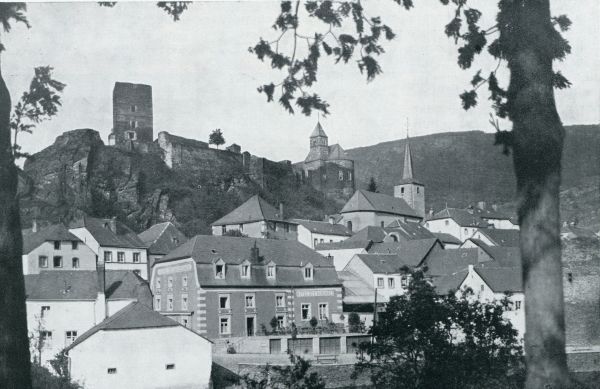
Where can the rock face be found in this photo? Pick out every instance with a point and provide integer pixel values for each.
(78, 173)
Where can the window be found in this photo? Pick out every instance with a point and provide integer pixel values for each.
(250, 301)
(323, 311)
(184, 322)
(169, 303)
(402, 190)
(157, 303)
(184, 281)
(349, 225)
(280, 321)
(305, 310)
(380, 283)
(175, 240)
(246, 271)
(224, 325)
(46, 338)
(418, 189)
(158, 283)
(270, 271)
(111, 370)
(286, 227)
(45, 310)
(316, 242)
(308, 273)
(391, 283)
(74, 245)
(349, 176)
(466, 231)
(108, 256)
(57, 261)
(322, 241)
(120, 256)
(517, 305)
(280, 301)
(220, 271)
(224, 301)
(241, 227)
(170, 283)
(223, 229)
(70, 337)
(404, 282)
(133, 123)
(136, 257)
(43, 261)
(75, 262)
(131, 135)
(133, 108)
(382, 224)
(446, 222)
(482, 287)
(184, 302)
(341, 175)
(170, 366)
(57, 245)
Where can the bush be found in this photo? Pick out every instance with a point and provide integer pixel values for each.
(354, 322)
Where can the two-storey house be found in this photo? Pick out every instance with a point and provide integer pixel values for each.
(230, 287)
(312, 232)
(161, 238)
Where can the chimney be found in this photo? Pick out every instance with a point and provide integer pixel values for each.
(430, 212)
(34, 225)
(254, 253)
(281, 210)
(495, 207)
(331, 220)
(481, 205)
(113, 224)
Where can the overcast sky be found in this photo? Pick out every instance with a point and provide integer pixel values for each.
(203, 76)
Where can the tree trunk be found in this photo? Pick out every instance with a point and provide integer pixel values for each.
(14, 343)
(537, 150)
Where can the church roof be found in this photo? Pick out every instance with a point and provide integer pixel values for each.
(363, 200)
(407, 171)
(318, 131)
(253, 210)
(337, 152)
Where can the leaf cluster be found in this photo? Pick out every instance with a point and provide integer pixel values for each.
(295, 376)
(216, 137)
(424, 340)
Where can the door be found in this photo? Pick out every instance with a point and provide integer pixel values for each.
(329, 345)
(250, 326)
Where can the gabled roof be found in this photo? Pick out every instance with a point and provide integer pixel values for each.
(447, 238)
(289, 256)
(363, 200)
(253, 210)
(444, 262)
(162, 238)
(383, 263)
(500, 237)
(502, 279)
(318, 131)
(487, 213)
(462, 217)
(84, 285)
(324, 228)
(372, 233)
(101, 230)
(337, 152)
(356, 290)
(409, 230)
(447, 283)
(32, 240)
(133, 316)
(410, 253)
(347, 244)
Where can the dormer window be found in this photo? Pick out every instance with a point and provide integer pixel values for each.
(246, 269)
(308, 272)
(271, 271)
(220, 269)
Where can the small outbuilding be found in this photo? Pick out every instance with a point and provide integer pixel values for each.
(140, 348)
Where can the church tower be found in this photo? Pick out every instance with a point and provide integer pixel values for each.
(409, 189)
(319, 144)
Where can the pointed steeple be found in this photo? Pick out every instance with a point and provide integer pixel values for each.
(318, 131)
(407, 173)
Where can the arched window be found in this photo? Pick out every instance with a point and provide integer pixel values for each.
(394, 238)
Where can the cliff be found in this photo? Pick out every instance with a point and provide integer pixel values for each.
(78, 173)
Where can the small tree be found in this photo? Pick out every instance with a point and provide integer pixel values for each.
(274, 323)
(372, 187)
(313, 323)
(216, 138)
(354, 322)
(295, 376)
(424, 340)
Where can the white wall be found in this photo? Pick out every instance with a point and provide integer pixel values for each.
(63, 316)
(341, 257)
(386, 291)
(503, 224)
(449, 226)
(87, 238)
(307, 238)
(140, 357)
(87, 257)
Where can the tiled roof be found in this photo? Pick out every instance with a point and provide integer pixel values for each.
(289, 257)
(491, 214)
(363, 200)
(411, 253)
(501, 237)
(461, 216)
(133, 316)
(502, 279)
(447, 283)
(356, 290)
(254, 209)
(337, 152)
(503, 256)
(450, 261)
(101, 230)
(84, 285)
(409, 230)
(447, 238)
(32, 240)
(324, 228)
(344, 245)
(384, 263)
(162, 238)
(372, 233)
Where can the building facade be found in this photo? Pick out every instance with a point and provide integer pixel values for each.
(311, 232)
(226, 287)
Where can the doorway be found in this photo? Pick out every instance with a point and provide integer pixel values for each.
(250, 326)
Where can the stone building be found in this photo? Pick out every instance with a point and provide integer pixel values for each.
(410, 189)
(327, 168)
(132, 116)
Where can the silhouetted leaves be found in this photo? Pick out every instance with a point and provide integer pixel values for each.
(559, 81)
(563, 22)
(469, 99)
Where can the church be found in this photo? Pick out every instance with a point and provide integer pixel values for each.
(327, 168)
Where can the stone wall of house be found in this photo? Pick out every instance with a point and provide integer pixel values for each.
(335, 179)
(581, 283)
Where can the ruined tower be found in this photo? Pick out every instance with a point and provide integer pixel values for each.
(132, 116)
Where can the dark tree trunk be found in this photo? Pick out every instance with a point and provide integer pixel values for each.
(537, 150)
(14, 343)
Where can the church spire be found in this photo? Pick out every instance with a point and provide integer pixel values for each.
(407, 173)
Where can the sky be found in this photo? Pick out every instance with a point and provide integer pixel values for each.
(203, 76)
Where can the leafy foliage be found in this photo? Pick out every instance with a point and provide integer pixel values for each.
(39, 103)
(423, 340)
(173, 8)
(295, 376)
(372, 187)
(216, 138)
